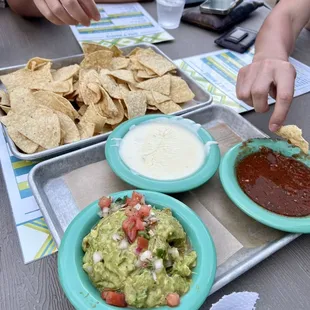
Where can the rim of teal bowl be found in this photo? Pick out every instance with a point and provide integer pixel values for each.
(247, 205)
(201, 176)
(83, 295)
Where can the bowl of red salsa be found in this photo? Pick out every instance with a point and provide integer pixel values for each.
(269, 180)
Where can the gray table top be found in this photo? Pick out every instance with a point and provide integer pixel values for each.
(283, 280)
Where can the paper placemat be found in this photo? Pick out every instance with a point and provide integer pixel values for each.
(122, 25)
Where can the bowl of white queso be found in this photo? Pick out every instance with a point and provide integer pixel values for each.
(167, 154)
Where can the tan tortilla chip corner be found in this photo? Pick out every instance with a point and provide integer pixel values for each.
(294, 135)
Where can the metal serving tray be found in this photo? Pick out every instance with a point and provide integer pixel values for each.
(202, 98)
(59, 207)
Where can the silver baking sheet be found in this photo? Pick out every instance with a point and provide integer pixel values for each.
(202, 98)
(59, 207)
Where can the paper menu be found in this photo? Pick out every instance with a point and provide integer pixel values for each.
(122, 25)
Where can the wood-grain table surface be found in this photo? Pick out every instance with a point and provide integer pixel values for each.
(282, 281)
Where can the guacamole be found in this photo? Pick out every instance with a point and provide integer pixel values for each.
(138, 255)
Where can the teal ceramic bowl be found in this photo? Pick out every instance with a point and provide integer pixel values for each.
(76, 284)
(198, 178)
(247, 205)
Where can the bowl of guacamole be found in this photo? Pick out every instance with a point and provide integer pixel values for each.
(137, 249)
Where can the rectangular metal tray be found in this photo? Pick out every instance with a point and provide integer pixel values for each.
(202, 98)
(59, 208)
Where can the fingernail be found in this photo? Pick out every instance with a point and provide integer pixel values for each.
(274, 127)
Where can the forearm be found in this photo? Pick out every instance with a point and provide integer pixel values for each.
(278, 34)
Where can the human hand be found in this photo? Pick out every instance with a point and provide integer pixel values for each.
(265, 76)
(68, 12)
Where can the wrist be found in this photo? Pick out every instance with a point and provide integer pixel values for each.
(267, 55)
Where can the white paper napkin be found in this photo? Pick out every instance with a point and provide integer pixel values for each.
(237, 301)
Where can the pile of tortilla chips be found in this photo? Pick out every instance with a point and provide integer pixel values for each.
(46, 108)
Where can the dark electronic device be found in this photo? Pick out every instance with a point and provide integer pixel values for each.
(238, 40)
(219, 7)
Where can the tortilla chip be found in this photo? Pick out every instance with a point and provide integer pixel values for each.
(149, 98)
(179, 91)
(89, 48)
(124, 75)
(5, 108)
(137, 79)
(86, 77)
(60, 87)
(157, 63)
(22, 101)
(86, 129)
(168, 107)
(116, 118)
(149, 71)
(28, 79)
(153, 108)
(108, 128)
(65, 73)
(142, 74)
(4, 98)
(106, 104)
(116, 51)
(135, 102)
(134, 51)
(43, 128)
(36, 63)
(134, 64)
(110, 86)
(294, 135)
(160, 84)
(118, 63)
(71, 133)
(97, 60)
(55, 102)
(158, 97)
(82, 109)
(92, 115)
(26, 145)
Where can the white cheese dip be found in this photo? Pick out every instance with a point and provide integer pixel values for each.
(162, 150)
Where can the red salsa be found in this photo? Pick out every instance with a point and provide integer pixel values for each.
(278, 183)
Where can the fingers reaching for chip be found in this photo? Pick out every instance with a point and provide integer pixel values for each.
(61, 12)
(294, 135)
(47, 107)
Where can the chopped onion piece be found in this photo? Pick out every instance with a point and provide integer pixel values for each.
(139, 263)
(174, 252)
(116, 237)
(154, 276)
(105, 212)
(123, 244)
(89, 268)
(97, 257)
(158, 264)
(153, 220)
(151, 233)
(137, 206)
(145, 256)
(168, 263)
(152, 213)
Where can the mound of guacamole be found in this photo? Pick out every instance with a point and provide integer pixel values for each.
(138, 255)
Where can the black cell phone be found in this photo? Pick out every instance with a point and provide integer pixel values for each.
(238, 40)
(219, 7)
